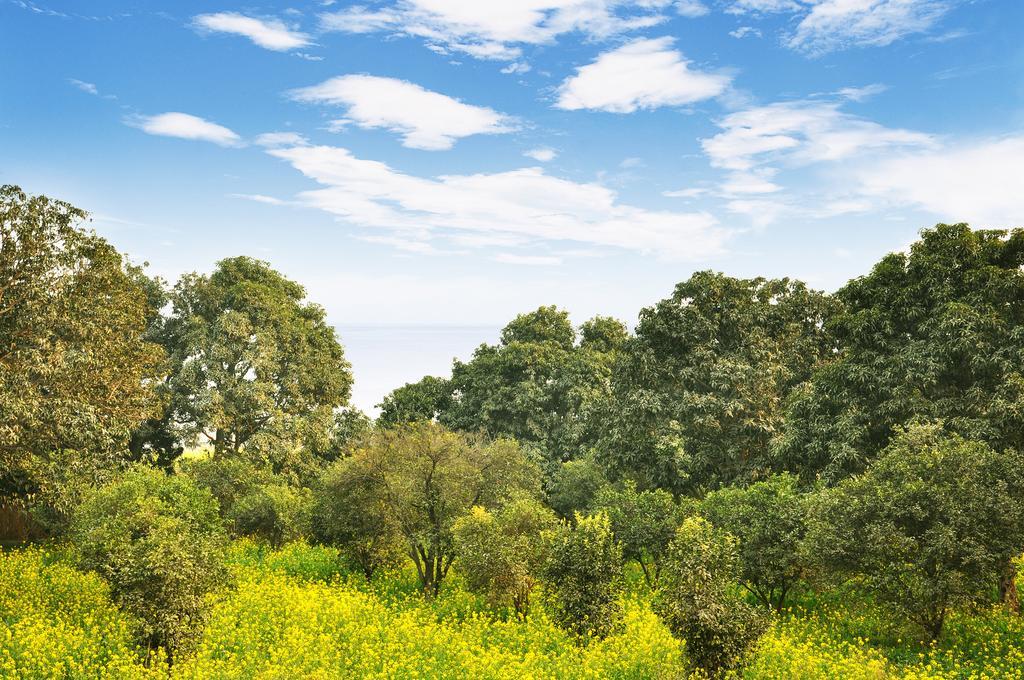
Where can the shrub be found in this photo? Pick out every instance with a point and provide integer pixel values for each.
(421, 477)
(770, 520)
(574, 485)
(348, 512)
(159, 542)
(275, 513)
(583, 575)
(697, 597)
(500, 553)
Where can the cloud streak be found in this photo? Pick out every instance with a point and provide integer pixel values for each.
(520, 206)
(186, 126)
(271, 34)
(425, 119)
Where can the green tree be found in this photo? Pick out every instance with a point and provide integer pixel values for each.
(643, 522)
(254, 366)
(76, 370)
(928, 526)
(422, 477)
(574, 485)
(159, 542)
(698, 601)
(770, 520)
(933, 334)
(349, 511)
(422, 400)
(501, 552)
(698, 394)
(537, 385)
(583, 576)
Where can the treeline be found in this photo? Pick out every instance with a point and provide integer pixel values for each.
(751, 439)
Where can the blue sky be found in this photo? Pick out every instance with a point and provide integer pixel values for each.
(456, 161)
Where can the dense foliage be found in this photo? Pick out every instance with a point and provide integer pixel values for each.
(929, 527)
(159, 542)
(76, 371)
(764, 481)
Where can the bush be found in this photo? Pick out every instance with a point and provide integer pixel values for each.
(275, 513)
(574, 485)
(227, 478)
(500, 553)
(770, 520)
(159, 542)
(583, 575)
(347, 512)
(931, 525)
(697, 597)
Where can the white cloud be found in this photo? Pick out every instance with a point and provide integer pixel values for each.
(750, 183)
(259, 198)
(799, 133)
(275, 139)
(84, 86)
(692, 192)
(425, 119)
(978, 182)
(542, 154)
(859, 94)
(643, 74)
(837, 24)
(516, 68)
(760, 212)
(762, 6)
(744, 31)
(496, 30)
(526, 205)
(185, 126)
(533, 260)
(691, 8)
(272, 34)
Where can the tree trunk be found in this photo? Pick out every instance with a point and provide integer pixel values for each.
(1008, 594)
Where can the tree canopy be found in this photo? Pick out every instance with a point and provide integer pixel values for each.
(76, 370)
(255, 366)
(698, 394)
(936, 333)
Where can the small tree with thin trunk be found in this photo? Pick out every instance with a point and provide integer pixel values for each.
(928, 527)
(422, 477)
(770, 520)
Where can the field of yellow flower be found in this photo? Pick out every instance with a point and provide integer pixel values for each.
(296, 613)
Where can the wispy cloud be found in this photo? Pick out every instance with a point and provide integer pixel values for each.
(185, 126)
(643, 74)
(497, 30)
(84, 86)
(542, 154)
(526, 205)
(830, 25)
(425, 119)
(269, 33)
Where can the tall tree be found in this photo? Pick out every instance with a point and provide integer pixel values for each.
(425, 399)
(255, 366)
(698, 394)
(76, 371)
(936, 333)
(538, 385)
